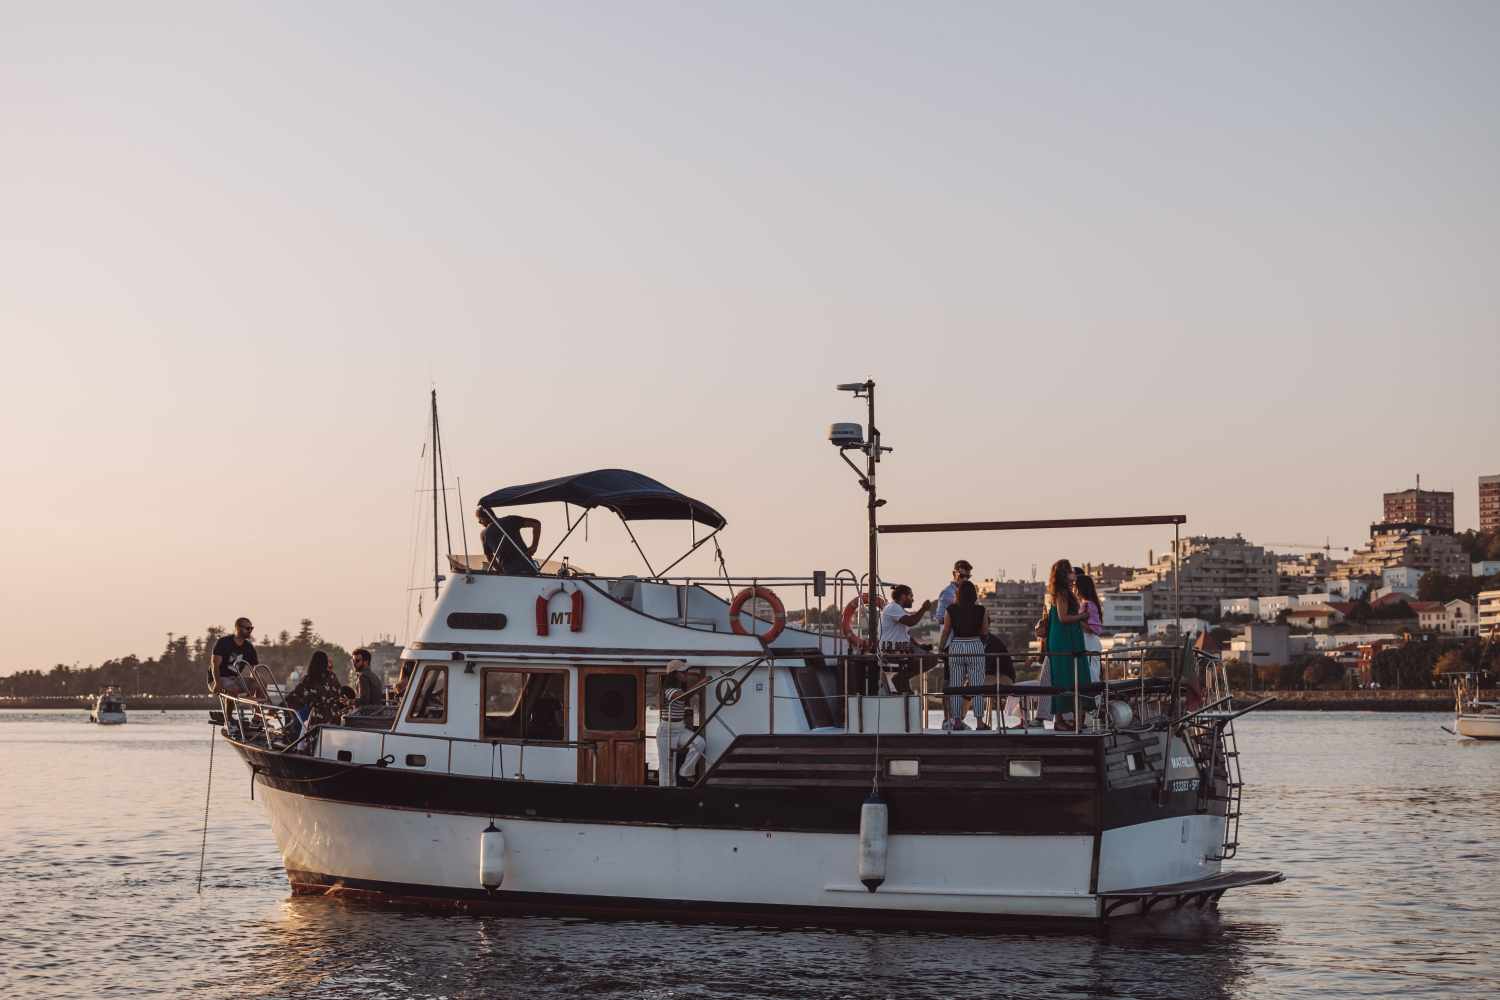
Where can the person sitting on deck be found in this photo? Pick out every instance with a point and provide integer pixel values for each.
(503, 549)
(364, 681)
(895, 633)
(318, 697)
(233, 656)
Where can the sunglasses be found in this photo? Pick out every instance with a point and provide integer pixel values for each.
(246, 627)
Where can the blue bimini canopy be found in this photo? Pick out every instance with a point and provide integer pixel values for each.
(632, 496)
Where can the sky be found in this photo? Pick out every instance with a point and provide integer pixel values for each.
(1236, 262)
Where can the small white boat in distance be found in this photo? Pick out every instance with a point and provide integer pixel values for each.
(108, 709)
(1476, 719)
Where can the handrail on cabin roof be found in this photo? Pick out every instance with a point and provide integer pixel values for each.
(1064, 522)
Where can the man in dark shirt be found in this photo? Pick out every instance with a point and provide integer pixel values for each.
(364, 681)
(231, 654)
(503, 551)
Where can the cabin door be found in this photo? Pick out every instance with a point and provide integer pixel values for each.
(613, 700)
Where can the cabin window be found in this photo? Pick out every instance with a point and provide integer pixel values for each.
(609, 702)
(525, 705)
(430, 703)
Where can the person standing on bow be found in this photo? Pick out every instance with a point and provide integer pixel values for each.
(1064, 644)
(964, 631)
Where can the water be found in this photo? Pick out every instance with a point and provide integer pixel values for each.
(1385, 825)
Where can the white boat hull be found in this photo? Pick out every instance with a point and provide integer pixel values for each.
(1479, 727)
(331, 846)
(108, 718)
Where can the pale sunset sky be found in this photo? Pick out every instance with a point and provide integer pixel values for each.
(1234, 261)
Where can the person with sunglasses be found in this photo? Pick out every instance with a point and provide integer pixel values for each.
(233, 656)
(961, 572)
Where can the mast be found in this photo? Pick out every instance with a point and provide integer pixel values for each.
(872, 456)
(436, 578)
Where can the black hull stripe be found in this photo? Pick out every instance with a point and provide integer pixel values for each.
(1022, 811)
(478, 901)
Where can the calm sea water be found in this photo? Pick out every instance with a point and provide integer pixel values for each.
(1386, 826)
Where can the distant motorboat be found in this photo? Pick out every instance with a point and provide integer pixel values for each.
(1473, 717)
(108, 708)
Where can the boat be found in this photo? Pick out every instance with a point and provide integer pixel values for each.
(791, 782)
(108, 708)
(1473, 716)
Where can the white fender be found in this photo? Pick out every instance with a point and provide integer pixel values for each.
(491, 857)
(874, 826)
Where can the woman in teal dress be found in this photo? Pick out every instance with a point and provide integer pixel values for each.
(1065, 644)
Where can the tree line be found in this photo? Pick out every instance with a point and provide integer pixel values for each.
(182, 667)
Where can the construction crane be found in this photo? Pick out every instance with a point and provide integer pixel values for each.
(1327, 548)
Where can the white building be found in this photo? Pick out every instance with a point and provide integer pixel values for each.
(1348, 588)
(1190, 626)
(1313, 600)
(1239, 606)
(1267, 608)
(1401, 579)
(1489, 610)
(1489, 567)
(1123, 611)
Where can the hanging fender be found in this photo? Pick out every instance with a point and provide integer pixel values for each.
(542, 613)
(778, 612)
(846, 623)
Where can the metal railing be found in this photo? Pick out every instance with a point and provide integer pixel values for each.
(260, 724)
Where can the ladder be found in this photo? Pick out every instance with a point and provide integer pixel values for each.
(1224, 746)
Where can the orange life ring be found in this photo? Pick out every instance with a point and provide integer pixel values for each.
(778, 612)
(846, 623)
(575, 619)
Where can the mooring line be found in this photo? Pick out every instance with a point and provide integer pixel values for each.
(207, 797)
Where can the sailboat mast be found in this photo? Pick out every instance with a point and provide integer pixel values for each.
(436, 578)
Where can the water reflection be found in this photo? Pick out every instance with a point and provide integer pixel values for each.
(316, 945)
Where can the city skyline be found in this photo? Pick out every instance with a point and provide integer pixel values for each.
(1229, 263)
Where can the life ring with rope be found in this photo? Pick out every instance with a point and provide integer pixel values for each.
(575, 619)
(857, 642)
(778, 612)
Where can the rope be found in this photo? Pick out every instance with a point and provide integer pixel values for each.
(213, 737)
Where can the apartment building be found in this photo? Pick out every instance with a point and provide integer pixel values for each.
(1239, 606)
(1211, 569)
(1415, 546)
(1419, 506)
(1489, 503)
(1014, 605)
(1489, 611)
(1348, 588)
(1123, 612)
